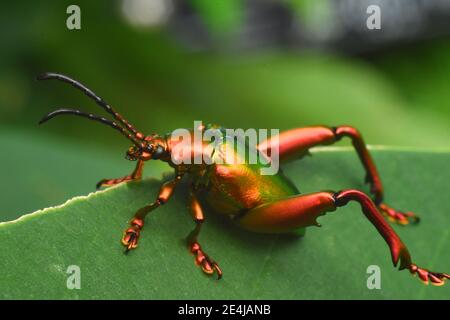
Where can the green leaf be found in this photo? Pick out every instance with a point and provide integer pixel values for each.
(328, 263)
(42, 170)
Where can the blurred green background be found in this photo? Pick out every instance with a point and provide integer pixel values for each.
(154, 73)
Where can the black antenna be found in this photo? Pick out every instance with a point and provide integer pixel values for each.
(102, 103)
(92, 117)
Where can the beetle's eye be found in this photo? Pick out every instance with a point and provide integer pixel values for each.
(149, 148)
(158, 152)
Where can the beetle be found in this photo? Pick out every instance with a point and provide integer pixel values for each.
(258, 203)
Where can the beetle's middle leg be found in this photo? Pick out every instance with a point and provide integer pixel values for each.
(131, 235)
(208, 265)
(296, 143)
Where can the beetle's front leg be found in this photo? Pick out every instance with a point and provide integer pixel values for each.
(208, 265)
(131, 235)
(295, 143)
(289, 214)
(135, 175)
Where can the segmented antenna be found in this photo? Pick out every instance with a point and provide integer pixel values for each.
(102, 103)
(91, 116)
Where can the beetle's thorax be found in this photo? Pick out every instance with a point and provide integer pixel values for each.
(186, 150)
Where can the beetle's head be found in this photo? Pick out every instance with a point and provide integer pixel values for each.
(143, 148)
(152, 147)
(133, 153)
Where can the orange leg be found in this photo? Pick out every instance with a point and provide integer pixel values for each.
(207, 265)
(131, 235)
(296, 143)
(136, 175)
(301, 211)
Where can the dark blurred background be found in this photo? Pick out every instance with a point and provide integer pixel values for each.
(238, 63)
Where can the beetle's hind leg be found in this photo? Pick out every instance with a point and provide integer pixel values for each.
(207, 265)
(295, 143)
(290, 213)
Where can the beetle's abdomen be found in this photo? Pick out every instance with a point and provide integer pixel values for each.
(238, 187)
(235, 182)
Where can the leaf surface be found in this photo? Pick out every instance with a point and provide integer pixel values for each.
(328, 263)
